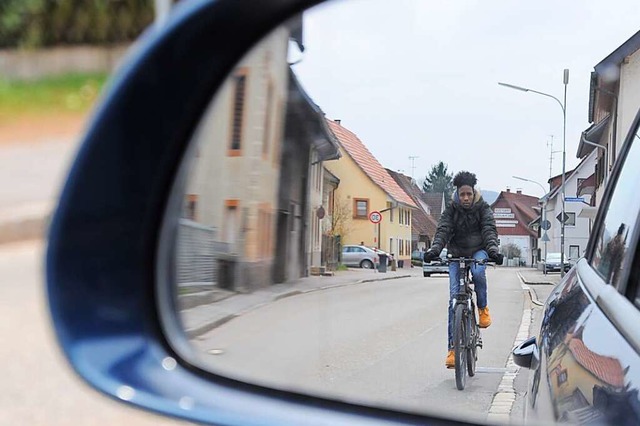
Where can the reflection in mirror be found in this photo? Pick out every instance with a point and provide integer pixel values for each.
(299, 246)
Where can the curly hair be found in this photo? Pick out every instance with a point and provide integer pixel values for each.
(465, 178)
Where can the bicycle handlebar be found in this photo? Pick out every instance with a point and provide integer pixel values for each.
(470, 259)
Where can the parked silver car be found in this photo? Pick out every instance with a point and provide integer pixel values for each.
(359, 256)
(439, 266)
(552, 263)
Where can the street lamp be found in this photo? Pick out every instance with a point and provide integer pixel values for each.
(544, 212)
(563, 105)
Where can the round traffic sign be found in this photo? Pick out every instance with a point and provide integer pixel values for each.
(546, 225)
(375, 217)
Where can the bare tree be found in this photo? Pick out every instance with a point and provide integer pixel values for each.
(339, 223)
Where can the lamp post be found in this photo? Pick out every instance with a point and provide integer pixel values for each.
(544, 210)
(563, 105)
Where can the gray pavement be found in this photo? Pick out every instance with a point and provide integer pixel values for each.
(204, 311)
(31, 176)
(228, 305)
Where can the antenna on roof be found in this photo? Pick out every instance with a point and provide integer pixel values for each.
(413, 164)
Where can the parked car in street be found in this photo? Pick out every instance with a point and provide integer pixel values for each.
(440, 266)
(585, 361)
(359, 257)
(552, 263)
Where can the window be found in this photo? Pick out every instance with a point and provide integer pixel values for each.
(610, 255)
(390, 208)
(400, 247)
(562, 377)
(401, 216)
(239, 91)
(267, 120)
(574, 252)
(360, 208)
(231, 221)
(190, 207)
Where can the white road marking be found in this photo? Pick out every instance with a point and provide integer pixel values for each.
(503, 400)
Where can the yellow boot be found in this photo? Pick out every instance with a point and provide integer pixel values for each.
(451, 361)
(485, 317)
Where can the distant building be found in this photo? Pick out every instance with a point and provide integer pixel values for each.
(436, 203)
(614, 99)
(514, 212)
(365, 187)
(423, 225)
(578, 226)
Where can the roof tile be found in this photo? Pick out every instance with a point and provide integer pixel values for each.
(369, 164)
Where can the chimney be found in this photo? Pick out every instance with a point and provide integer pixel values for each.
(519, 191)
(337, 121)
(508, 189)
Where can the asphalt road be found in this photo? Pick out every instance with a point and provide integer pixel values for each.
(38, 386)
(380, 343)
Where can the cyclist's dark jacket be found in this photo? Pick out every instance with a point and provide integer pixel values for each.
(464, 231)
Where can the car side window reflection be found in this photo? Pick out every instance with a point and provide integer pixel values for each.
(611, 254)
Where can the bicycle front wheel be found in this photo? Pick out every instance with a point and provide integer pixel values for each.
(472, 344)
(460, 345)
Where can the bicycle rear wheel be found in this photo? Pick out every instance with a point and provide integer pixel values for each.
(472, 349)
(460, 346)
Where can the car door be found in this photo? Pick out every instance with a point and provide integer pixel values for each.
(348, 255)
(589, 362)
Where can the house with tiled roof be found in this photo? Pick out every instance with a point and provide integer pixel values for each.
(366, 187)
(436, 203)
(514, 212)
(578, 374)
(578, 207)
(423, 225)
(613, 103)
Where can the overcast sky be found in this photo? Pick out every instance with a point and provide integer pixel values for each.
(419, 78)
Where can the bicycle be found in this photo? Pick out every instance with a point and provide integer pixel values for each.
(466, 332)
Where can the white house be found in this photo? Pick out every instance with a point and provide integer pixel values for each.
(614, 99)
(577, 227)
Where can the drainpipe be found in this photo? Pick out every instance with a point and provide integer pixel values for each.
(606, 154)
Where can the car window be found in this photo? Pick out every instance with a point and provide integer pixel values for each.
(611, 254)
(359, 250)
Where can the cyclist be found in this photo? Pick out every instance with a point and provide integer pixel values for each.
(468, 229)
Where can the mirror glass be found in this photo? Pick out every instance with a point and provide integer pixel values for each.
(299, 244)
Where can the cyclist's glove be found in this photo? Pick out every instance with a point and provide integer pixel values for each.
(430, 255)
(496, 257)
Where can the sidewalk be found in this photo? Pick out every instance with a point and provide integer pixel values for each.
(226, 305)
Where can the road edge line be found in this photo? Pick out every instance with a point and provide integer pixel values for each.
(504, 399)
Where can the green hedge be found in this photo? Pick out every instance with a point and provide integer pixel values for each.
(44, 23)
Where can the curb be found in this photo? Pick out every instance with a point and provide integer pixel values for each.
(524, 280)
(23, 229)
(26, 221)
(200, 330)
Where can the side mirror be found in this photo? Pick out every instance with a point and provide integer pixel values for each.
(526, 354)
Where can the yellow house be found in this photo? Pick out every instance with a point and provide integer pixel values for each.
(576, 374)
(366, 187)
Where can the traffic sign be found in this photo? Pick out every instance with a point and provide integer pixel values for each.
(375, 216)
(545, 224)
(574, 199)
(545, 238)
(561, 218)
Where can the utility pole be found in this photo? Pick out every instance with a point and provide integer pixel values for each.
(413, 164)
